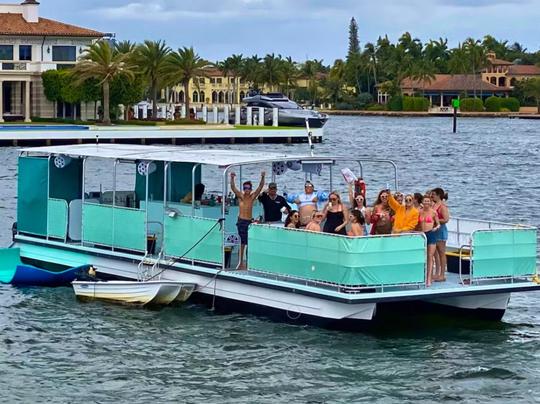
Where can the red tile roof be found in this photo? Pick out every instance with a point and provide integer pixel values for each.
(524, 70)
(453, 82)
(15, 24)
(499, 62)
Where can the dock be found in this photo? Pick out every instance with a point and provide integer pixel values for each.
(203, 134)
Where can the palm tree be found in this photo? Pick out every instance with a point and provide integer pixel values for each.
(271, 69)
(371, 54)
(184, 65)
(151, 58)
(423, 71)
(252, 71)
(225, 67)
(477, 58)
(235, 64)
(437, 52)
(100, 62)
(289, 74)
(125, 47)
(310, 70)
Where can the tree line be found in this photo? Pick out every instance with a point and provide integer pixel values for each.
(125, 72)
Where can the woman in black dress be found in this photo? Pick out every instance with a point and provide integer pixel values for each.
(336, 215)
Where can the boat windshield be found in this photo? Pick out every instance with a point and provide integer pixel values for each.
(286, 104)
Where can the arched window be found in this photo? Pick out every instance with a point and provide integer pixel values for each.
(493, 80)
(502, 81)
(181, 96)
(214, 97)
(195, 97)
(202, 97)
(221, 97)
(242, 95)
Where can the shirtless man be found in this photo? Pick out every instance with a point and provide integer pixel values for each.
(307, 203)
(245, 215)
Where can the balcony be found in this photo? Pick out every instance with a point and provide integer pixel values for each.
(16, 66)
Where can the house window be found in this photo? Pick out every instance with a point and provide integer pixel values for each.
(64, 54)
(6, 52)
(219, 80)
(212, 80)
(202, 80)
(25, 52)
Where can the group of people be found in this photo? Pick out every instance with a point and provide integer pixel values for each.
(390, 214)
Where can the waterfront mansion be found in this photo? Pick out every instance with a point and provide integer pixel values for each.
(30, 45)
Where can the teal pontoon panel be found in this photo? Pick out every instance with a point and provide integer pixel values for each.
(352, 261)
(32, 195)
(503, 253)
(66, 183)
(9, 259)
(114, 227)
(57, 218)
(183, 232)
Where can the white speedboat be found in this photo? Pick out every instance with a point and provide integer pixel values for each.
(133, 292)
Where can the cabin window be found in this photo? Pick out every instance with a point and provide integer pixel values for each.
(25, 52)
(64, 54)
(6, 52)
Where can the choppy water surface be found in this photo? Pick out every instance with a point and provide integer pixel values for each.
(55, 349)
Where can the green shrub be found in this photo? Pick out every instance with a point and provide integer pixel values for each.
(510, 103)
(345, 106)
(395, 103)
(186, 121)
(376, 107)
(504, 110)
(415, 104)
(493, 104)
(363, 100)
(38, 119)
(471, 105)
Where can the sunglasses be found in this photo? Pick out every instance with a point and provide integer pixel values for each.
(384, 196)
(318, 215)
(247, 188)
(408, 200)
(295, 216)
(333, 199)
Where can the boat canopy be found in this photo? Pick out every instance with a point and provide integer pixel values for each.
(222, 158)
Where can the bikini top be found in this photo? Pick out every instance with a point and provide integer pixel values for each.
(425, 219)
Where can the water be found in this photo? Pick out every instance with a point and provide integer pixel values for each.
(55, 349)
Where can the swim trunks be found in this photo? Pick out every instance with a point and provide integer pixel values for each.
(242, 226)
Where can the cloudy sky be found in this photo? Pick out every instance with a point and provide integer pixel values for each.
(298, 28)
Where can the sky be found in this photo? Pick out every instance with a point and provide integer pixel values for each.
(298, 28)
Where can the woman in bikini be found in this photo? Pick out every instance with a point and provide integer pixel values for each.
(336, 215)
(439, 198)
(428, 223)
(357, 224)
(381, 215)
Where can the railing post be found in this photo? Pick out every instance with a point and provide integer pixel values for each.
(237, 115)
(183, 111)
(215, 114)
(226, 114)
(275, 117)
(261, 116)
(248, 116)
(205, 113)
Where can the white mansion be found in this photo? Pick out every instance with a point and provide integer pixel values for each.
(30, 45)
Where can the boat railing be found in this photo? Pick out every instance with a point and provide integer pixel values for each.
(342, 262)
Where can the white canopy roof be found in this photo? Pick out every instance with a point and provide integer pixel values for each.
(170, 153)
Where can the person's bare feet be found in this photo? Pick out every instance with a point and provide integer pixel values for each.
(241, 266)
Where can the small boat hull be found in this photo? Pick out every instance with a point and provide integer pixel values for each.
(133, 292)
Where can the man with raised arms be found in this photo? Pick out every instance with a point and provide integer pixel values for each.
(245, 214)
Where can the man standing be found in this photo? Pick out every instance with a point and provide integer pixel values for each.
(245, 214)
(307, 203)
(273, 204)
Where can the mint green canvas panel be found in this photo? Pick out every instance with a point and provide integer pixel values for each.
(130, 229)
(9, 259)
(503, 253)
(129, 226)
(32, 195)
(337, 259)
(57, 218)
(183, 232)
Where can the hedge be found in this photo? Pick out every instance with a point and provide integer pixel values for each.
(415, 104)
(471, 105)
(395, 103)
(186, 121)
(493, 104)
(510, 103)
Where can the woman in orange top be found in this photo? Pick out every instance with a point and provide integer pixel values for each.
(406, 216)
